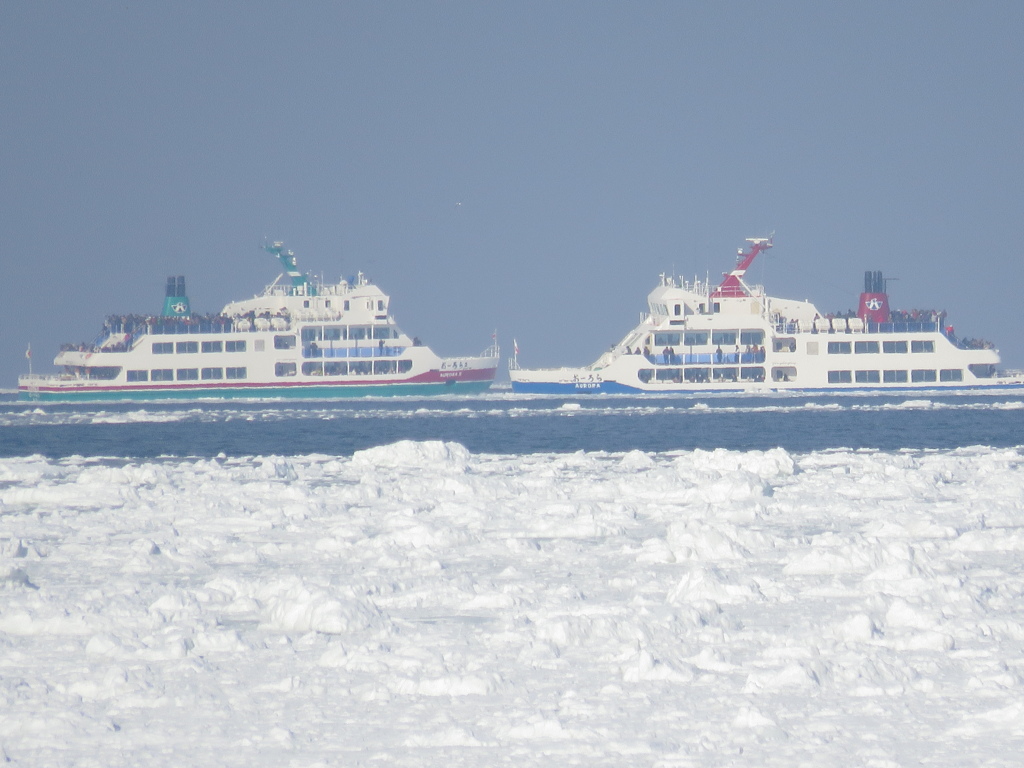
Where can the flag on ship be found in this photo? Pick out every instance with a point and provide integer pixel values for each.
(28, 352)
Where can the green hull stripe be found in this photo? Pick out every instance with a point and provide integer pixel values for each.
(263, 393)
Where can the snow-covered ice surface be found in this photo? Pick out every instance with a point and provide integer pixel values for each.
(419, 605)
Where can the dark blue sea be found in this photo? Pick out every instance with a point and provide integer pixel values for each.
(510, 424)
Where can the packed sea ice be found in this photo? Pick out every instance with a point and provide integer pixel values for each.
(417, 605)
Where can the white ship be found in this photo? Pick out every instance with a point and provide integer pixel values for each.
(299, 338)
(733, 337)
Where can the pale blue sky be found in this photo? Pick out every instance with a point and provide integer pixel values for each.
(525, 166)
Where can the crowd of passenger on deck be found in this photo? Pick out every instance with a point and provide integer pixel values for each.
(132, 325)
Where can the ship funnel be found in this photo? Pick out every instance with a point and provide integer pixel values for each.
(176, 302)
(874, 302)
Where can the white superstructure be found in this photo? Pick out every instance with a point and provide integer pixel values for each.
(299, 338)
(733, 337)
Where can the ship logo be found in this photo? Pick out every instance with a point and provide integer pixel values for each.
(873, 304)
(179, 308)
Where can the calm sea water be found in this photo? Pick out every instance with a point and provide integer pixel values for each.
(505, 423)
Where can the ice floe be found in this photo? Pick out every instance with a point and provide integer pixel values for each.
(418, 604)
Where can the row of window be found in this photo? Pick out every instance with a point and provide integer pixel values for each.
(757, 373)
(717, 357)
(699, 375)
(344, 332)
(677, 309)
(346, 305)
(729, 338)
(187, 374)
(345, 368)
(284, 341)
(919, 376)
(326, 368)
(192, 347)
(871, 347)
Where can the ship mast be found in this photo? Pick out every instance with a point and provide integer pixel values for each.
(300, 283)
(732, 284)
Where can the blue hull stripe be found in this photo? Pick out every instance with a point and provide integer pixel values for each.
(614, 388)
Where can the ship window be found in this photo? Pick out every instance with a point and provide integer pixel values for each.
(234, 346)
(327, 303)
(695, 338)
(382, 332)
(678, 310)
(839, 347)
(669, 374)
(380, 305)
(946, 374)
(305, 304)
(335, 368)
(186, 347)
(384, 366)
(894, 377)
(922, 346)
(662, 340)
(404, 366)
(235, 373)
(922, 375)
(188, 374)
(212, 346)
(138, 375)
(211, 373)
(982, 370)
(312, 369)
(727, 338)
(725, 374)
(334, 332)
(748, 338)
(163, 347)
(312, 333)
(284, 342)
(752, 374)
(784, 345)
(716, 307)
(284, 369)
(645, 374)
(358, 332)
(360, 367)
(345, 306)
(894, 347)
(867, 377)
(697, 375)
(840, 377)
(865, 347)
(162, 374)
